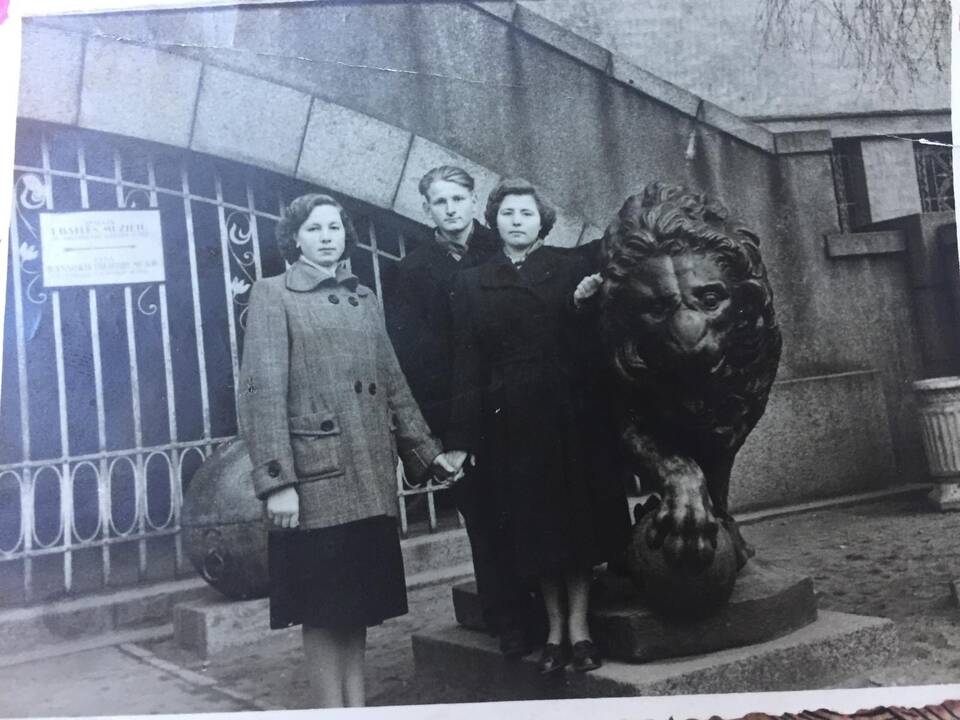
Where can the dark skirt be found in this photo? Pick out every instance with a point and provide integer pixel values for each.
(347, 575)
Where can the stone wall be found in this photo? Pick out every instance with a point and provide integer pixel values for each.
(364, 98)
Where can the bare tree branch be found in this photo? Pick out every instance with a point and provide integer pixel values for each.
(887, 40)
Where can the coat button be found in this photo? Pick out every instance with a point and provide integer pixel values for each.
(333, 299)
(372, 388)
(353, 301)
(358, 387)
(273, 468)
(326, 425)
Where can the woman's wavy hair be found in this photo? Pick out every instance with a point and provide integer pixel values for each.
(294, 215)
(513, 186)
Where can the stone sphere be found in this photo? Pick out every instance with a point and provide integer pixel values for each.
(681, 592)
(222, 525)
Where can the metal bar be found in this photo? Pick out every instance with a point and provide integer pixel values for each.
(66, 491)
(382, 253)
(401, 501)
(228, 286)
(376, 263)
(66, 494)
(103, 482)
(133, 185)
(254, 232)
(26, 484)
(176, 492)
(139, 474)
(432, 510)
(180, 445)
(195, 289)
(7, 557)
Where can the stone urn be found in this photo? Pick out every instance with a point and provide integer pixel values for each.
(938, 400)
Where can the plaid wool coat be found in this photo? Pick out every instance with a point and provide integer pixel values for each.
(323, 405)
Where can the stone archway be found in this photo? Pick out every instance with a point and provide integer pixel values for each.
(97, 83)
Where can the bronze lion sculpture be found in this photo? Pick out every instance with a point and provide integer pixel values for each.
(687, 319)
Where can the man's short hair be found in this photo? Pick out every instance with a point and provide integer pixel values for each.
(450, 173)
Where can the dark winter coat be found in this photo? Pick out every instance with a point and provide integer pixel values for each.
(529, 401)
(420, 322)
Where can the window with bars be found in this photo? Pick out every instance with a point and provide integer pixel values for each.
(849, 184)
(935, 172)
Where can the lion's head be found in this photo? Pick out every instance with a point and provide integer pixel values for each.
(685, 292)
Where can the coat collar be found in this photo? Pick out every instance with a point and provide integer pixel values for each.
(539, 266)
(303, 277)
(481, 244)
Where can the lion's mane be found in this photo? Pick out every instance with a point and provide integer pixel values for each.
(670, 220)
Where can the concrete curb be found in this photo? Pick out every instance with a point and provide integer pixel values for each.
(86, 621)
(127, 637)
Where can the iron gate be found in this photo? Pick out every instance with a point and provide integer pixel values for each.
(112, 396)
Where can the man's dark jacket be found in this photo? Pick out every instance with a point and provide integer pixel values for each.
(420, 321)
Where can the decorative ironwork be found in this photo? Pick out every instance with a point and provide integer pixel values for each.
(935, 176)
(240, 235)
(31, 195)
(168, 386)
(151, 307)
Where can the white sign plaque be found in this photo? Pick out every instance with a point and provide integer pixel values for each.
(111, 247)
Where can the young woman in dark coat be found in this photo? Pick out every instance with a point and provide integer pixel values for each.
(528, 404)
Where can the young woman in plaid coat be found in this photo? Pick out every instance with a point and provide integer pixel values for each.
(324, 409)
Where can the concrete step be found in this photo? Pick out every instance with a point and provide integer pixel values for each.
(429, 553)
(211, 624)
(56, 626)
(821, 654)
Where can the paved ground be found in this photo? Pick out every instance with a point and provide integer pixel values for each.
(894, 558)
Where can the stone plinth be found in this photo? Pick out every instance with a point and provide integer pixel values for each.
(215, 624)
(766, 603)
(821, 654)
(946, 495)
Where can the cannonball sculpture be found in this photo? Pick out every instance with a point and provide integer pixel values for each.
(222, 525)
(681, 592)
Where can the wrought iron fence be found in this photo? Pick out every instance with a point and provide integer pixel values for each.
(112, 396)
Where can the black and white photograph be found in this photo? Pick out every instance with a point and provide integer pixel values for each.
(395, 354)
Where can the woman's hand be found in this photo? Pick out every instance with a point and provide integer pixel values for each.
(283, 507)
(587, 288)
(451, 463)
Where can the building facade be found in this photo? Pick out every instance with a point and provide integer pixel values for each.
(112, 395)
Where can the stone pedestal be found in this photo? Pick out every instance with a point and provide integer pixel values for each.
(946, 495)
(214, 624)
(939, 405)
(767, 602)
(470, 667)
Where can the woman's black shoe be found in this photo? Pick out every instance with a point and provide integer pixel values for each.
(585, 657)
(552, 659)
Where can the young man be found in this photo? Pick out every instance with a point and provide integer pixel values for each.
(420, 323)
